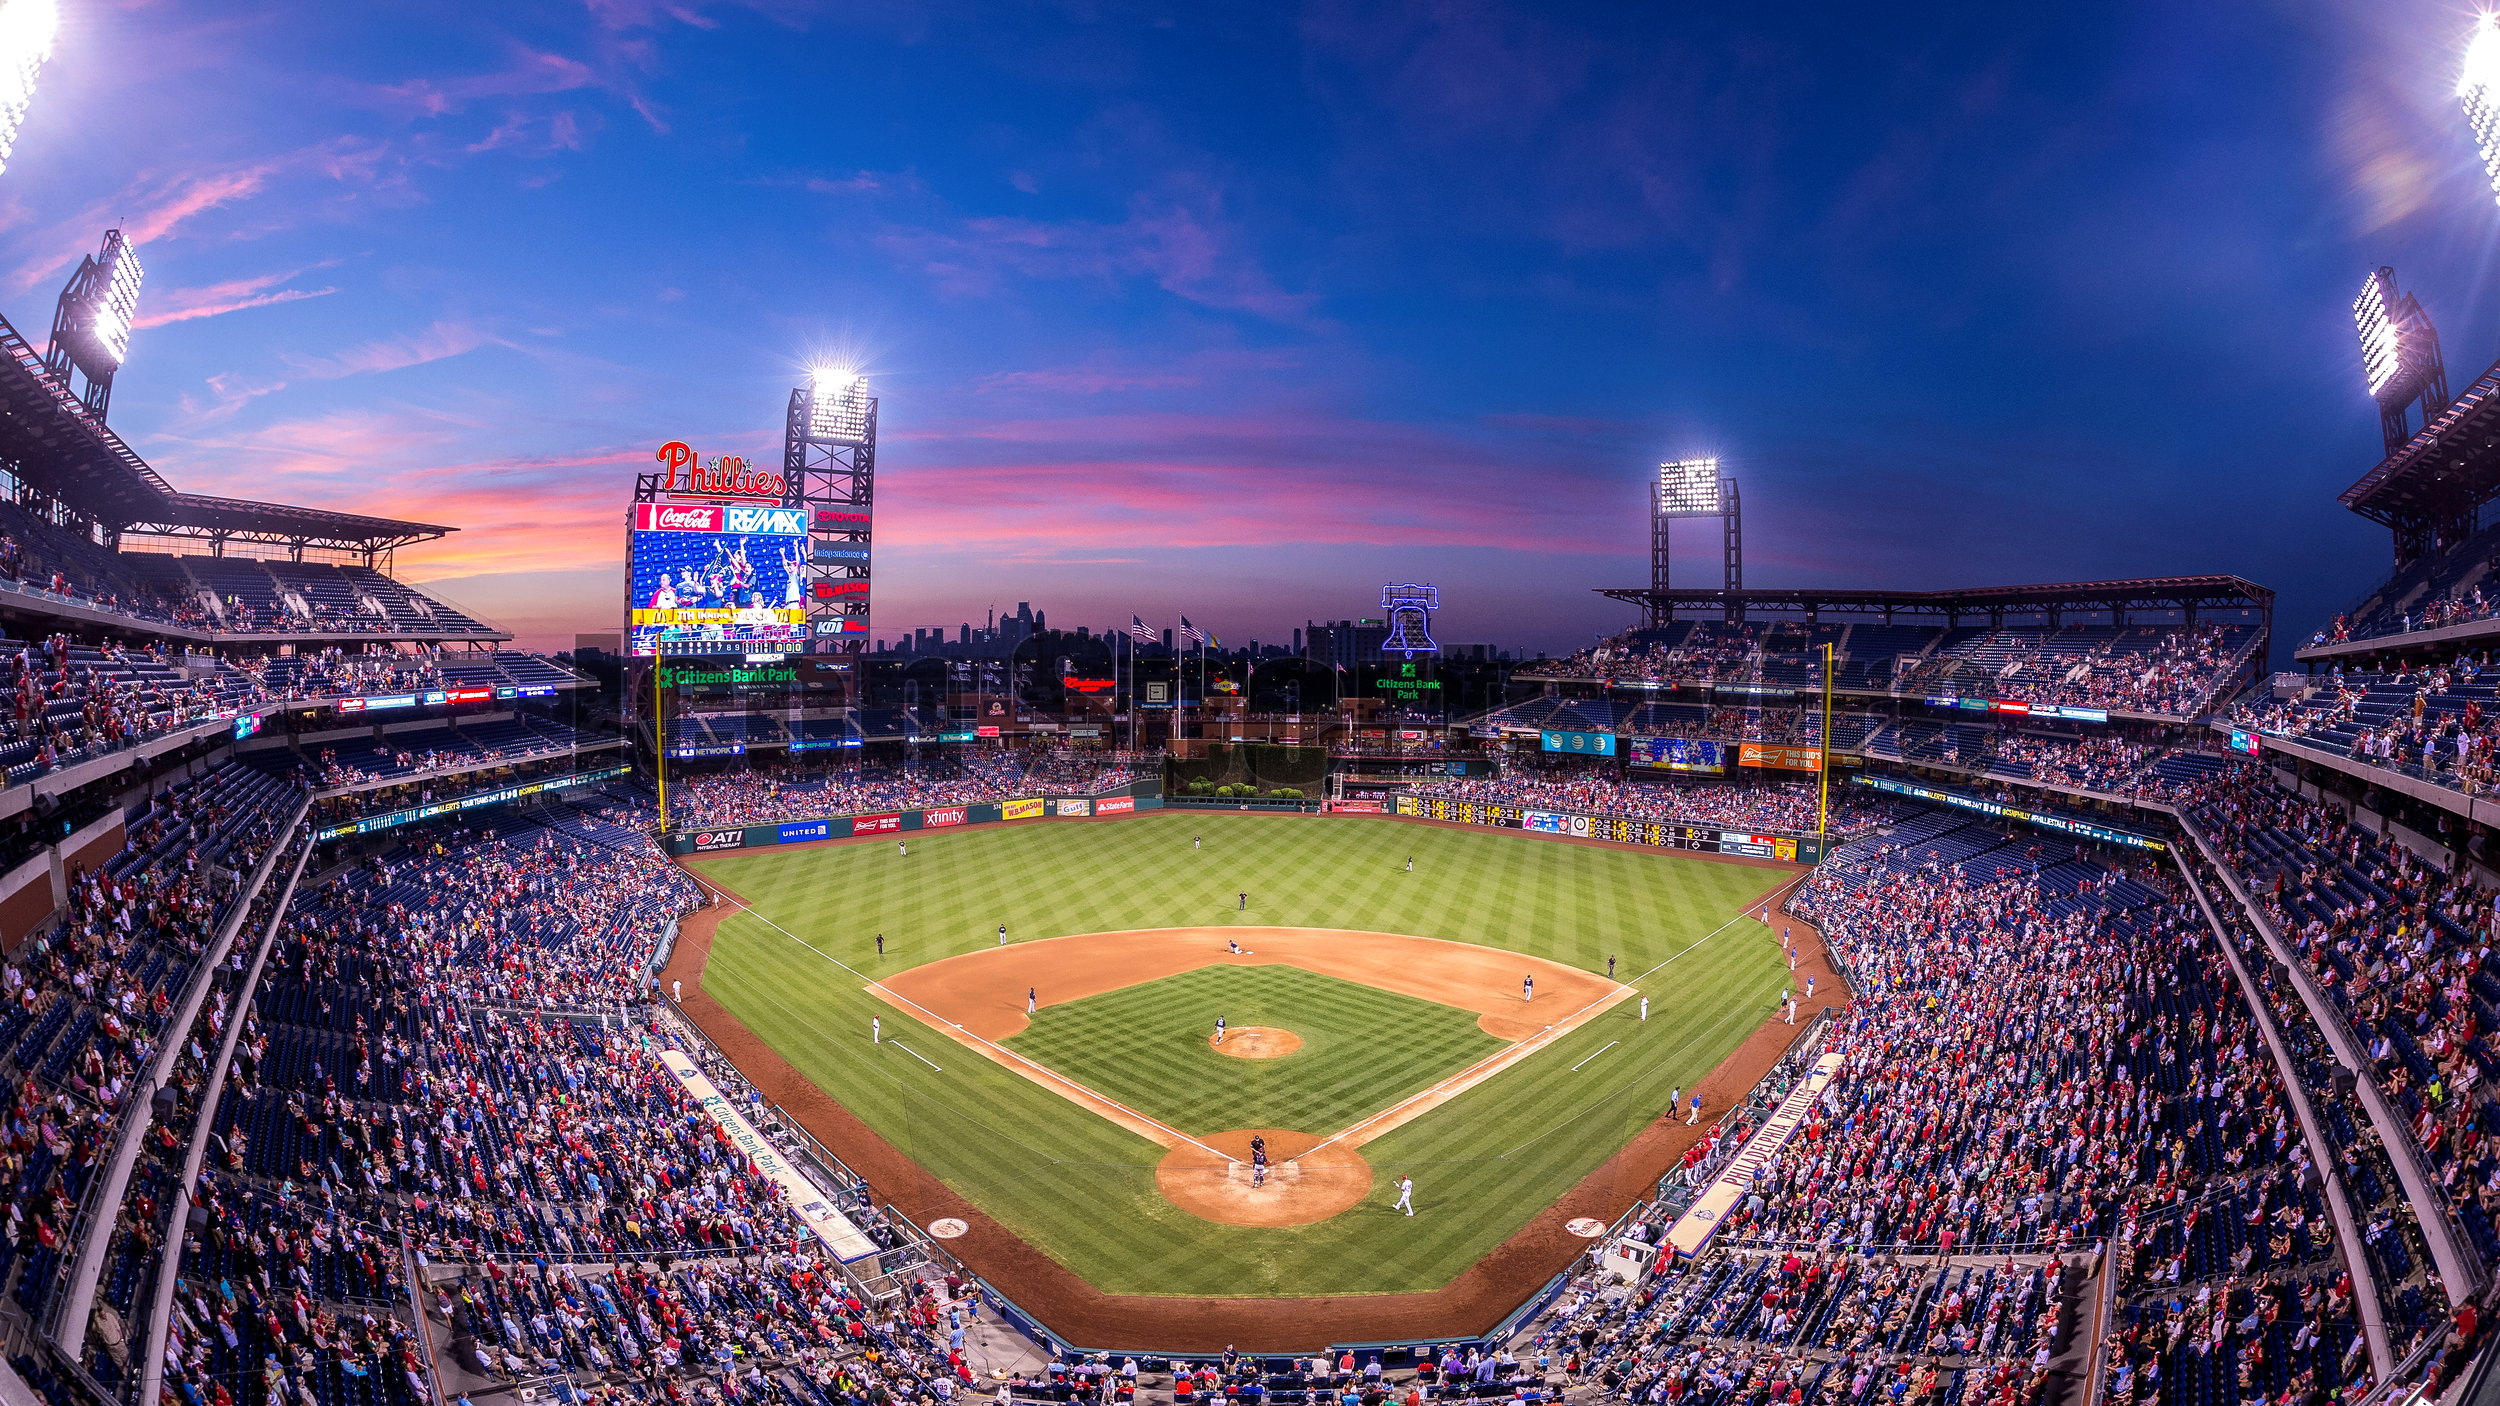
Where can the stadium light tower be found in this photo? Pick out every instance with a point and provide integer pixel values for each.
(2479, 89)
(1695, 488)
(2400, 358)
(829, 456)
(91, 325)
(26, 31)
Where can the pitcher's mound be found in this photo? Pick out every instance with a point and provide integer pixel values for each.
(1258, 1042)
(1300, 1189)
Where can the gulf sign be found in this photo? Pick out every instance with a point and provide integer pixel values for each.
(937, 819)
(877, 824)
(1072, 807)
(719, 517)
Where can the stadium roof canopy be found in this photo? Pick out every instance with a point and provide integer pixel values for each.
(55, 447)
(2190, 595)
(2432, 486)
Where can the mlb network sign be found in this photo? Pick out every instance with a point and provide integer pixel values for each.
(719, 517)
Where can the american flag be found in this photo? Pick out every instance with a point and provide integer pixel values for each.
(1140, 630)
(1192, 632)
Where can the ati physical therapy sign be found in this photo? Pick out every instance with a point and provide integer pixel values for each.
(721, 476)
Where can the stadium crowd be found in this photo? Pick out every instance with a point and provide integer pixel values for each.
(2436, 721)
(792, 791)
(1993, 1117)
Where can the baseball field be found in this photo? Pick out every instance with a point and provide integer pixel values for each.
(1068, 1084)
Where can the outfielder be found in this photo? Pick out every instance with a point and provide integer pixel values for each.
(1406, 1195)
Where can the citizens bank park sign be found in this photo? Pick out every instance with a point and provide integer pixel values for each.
(721, 476)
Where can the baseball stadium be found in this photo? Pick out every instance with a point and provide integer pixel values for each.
(1850, 992)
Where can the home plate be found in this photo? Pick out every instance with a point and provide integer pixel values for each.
(1586, 1227)
(949, 1228)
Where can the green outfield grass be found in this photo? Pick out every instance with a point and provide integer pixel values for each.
(1362, 1048)
(1081, 1188)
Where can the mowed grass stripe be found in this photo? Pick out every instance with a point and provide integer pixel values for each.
(1080, 1188)
(1363, 1049)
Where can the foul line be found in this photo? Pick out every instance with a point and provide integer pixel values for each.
(915, 1054)
(1748, 911)
(987, 1046)
(1610, 1044)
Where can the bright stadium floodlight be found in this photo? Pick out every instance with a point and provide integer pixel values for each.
(2373, 316)
(117, 307)
(2479, 89)
(1689, 488)
(26, 31)
(837, 405)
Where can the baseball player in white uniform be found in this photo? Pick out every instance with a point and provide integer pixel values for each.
(1406, 1195)
(1219, 1030)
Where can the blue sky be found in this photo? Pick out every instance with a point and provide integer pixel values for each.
(1243, 310)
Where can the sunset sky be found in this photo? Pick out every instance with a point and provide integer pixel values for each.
(1241, 310)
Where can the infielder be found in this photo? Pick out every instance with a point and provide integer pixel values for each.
(876, 1031)
(1527, 988)
(1002, 934)
(1029, 993)
(1219, 1030)
(1644, 1008)
(1406, 1195)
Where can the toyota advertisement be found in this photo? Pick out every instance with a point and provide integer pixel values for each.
(717, 578)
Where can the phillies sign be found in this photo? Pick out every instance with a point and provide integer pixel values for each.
(721, 476)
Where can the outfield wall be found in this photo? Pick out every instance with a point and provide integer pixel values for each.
(1703, 839)
(895, 822)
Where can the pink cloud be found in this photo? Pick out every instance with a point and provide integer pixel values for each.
(1182, 243)
(436, 343)
(234, 295)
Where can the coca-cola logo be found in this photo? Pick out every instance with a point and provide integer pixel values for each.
(669, 517)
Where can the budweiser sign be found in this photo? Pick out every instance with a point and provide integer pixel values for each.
(721, 476)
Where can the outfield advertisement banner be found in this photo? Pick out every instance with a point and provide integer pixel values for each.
(1780, 758)
(392, 821)
(829, 1225)
(842, 827)
(2062, 824)
(1586, 744)
(1693, 1229)
(1674, 754)
(1703, 839)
